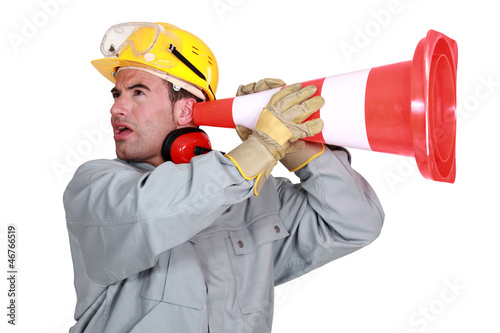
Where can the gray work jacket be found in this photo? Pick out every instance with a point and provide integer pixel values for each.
(188, 248)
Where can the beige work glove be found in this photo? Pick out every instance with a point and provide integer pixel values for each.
(244, 133)
(256, 87)
(298, 158)
(261, 85)
(279, 123)
(298, 153)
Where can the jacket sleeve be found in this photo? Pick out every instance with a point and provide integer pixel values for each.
(331, 213)
(120, 219)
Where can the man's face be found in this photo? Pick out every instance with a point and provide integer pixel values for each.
(141, 116)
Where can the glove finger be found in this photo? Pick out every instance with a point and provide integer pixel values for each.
(308, 108)
(295, 98)
(315, 103)
(295, 146)
(243, 132)
(306, 129)
(315, 126)
(245, 89)
(283, 93)
(289, 147)
(266, 84)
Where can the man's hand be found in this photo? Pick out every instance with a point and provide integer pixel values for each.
(295, 117)
(288, 108)
(279, 123)
(261, 85)
(298, 153)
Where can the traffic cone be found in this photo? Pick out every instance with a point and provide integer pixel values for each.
(407, 108)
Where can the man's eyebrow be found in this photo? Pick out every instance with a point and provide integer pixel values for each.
(138, 85)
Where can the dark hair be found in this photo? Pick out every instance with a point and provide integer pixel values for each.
(175, 96)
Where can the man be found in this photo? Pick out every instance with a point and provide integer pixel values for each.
(199, 246)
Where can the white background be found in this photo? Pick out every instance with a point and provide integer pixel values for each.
(433, 269)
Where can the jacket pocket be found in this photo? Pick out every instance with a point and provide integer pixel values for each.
(176, 279)
(252, 253)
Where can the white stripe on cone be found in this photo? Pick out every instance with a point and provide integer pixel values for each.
(344, 111)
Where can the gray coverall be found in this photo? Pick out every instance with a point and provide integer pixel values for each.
(188, 248)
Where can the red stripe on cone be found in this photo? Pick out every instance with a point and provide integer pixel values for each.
(387, 109)
(218, 113)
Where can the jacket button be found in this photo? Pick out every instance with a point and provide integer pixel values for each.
(240, 244)
(277, 229)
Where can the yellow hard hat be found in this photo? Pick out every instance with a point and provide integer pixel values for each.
(163, 50)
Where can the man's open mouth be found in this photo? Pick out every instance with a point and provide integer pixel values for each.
(122, 131)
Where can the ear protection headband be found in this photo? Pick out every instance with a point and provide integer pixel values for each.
(181, 145)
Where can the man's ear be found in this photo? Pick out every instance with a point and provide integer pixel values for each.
(185, 112)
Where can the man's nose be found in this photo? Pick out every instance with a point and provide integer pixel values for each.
(120, 107)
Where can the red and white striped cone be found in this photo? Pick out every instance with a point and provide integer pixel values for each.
(407, 108)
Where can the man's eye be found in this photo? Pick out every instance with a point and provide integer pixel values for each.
(139, 92)
(115, 95)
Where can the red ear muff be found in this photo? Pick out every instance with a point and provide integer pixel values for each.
(181, 145)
